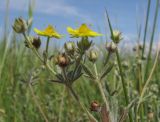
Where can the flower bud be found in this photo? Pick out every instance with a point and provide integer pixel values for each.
(117, 36)
(150, 115)
(111, 47)
(70, 47)
(84, 44)
(144, 57)
(20, 25)
(95, 106)
(92, 55)
(36, 42)
(125, 65)
(62, 60)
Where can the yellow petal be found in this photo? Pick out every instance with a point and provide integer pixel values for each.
(84, 29)
(38, 31)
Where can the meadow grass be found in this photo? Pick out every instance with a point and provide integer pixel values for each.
(131, 88)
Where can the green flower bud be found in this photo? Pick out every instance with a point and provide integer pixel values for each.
(20, 25)
(70, 47)
(139, 62)
(117, 36)
(92, 55)
(84, 44)
(125, 65)
(111, 47)
(144, 57)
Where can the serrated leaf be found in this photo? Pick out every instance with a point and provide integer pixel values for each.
(70, 75)
(77, 70)
(106, 71)
(77, 77)
(56, 81)
(59, 77)
(87, 71)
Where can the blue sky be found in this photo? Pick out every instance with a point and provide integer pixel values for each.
(124, 14)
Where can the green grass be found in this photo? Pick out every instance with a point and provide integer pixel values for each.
(134, 88)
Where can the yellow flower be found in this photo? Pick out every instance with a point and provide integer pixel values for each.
(83, 31)
(49, 32)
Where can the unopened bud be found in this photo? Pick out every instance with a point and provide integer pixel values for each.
(117, 36)
(144, 57)
(125, 65)
(92, 55)
(95, 106)
(84, 44)
(35, 41)
(150, 115)
(69, 47)
(62, 60)
(111, 47)
(20, 25)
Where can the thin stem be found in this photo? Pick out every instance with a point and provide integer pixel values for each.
(61, 106)
(123, 83)
(38, 55)
(47, 47)
(101, 88)
(149, 78)
(107, 58)
(91, 117)
(37, 104)
(33, 49)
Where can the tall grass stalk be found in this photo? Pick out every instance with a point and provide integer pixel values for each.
(146, 27)
(152, 39)
(149, 78)
(120, 69)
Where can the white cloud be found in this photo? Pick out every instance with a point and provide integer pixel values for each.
(51, 7)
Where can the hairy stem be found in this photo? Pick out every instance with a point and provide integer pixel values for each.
(37, 104)
(123, 83)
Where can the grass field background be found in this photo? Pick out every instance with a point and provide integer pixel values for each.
(21, 102)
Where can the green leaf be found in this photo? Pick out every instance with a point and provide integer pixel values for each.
(59, 77)
(106, 71)
(110, 26)
(87, 71)
(56, 81)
